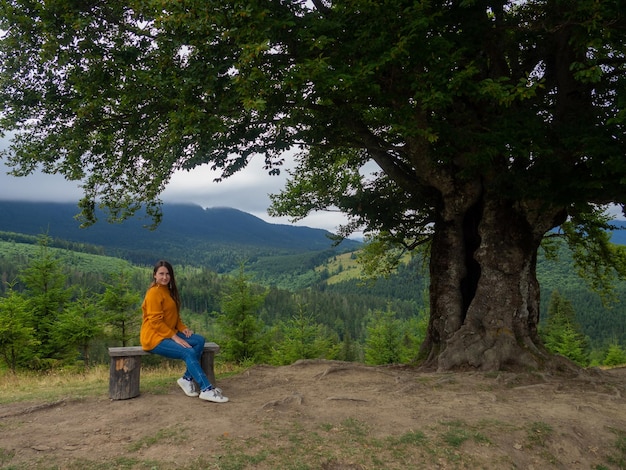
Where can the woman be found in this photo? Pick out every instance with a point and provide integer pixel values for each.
(163, 332)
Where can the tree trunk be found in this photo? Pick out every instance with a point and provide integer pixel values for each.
(484, 291)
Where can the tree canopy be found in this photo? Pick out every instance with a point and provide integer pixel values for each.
(491, 123)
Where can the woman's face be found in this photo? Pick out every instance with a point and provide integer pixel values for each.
(162, 276)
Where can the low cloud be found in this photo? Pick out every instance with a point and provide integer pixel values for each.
(247, 190)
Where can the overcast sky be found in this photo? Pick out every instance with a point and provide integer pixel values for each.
(247, 190)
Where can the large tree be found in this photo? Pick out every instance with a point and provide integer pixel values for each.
(491, 124)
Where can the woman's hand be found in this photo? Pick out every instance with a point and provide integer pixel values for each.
(178, 340)
(187, 332)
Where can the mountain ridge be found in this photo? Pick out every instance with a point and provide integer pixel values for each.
(219, 238)
(184, 227)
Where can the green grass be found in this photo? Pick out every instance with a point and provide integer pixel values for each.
(84, 262)
(58, 385)
(341, 268)
(53, 386)
(538, 433)
(619, 457)
(457, 432)
(168, 435)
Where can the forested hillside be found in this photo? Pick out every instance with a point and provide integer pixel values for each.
(216, 238)
(303, 278)
(601, 322)
(342, 306)
(343, 315)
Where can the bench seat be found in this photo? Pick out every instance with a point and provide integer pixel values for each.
(124, 372)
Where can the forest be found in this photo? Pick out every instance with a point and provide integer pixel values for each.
(62, 304)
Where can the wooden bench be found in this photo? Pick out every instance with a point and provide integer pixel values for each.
(126, 366)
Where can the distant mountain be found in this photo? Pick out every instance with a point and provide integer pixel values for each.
(618, 236)
(187, 234)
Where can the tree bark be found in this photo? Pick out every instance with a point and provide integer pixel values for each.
(484, 291)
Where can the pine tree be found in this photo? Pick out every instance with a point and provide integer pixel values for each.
(302, 338)
(351, 351)
(17, 339)
(45, 289)
(78, 325)
(615, 356)
(383, 344)
(120, 309)
(571, 346)
(243, 329)
(562, 333)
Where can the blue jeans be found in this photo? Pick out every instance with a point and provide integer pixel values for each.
(172, 350)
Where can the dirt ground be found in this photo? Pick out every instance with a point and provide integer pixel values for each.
(335, 416)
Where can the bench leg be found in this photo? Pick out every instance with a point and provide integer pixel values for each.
(207, 362)
(124, 377)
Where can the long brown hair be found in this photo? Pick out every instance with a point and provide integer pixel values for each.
(172, 285)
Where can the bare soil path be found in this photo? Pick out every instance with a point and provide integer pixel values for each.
(335, 416)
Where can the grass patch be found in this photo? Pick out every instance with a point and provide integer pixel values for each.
(354, 428)
(58, 385)
(619, 458)
(162, 435)
(237, 460)
(119, 463)
(6, 455)
(538, 433)
(413, 438)
(54, 385)
(455, 437)
(457, 432)
(341, 268)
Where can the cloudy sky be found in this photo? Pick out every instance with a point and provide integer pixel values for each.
(247, 190)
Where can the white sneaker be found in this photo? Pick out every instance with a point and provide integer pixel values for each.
(188, 387)
(214, 395)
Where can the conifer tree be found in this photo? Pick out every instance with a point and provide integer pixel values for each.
(17, 339)
(391, 340)
(46, 292)
(79, 325)
(302, 338)
(351, 351)
(243, 329)
(383, 344)
(615, 356)
(562, 333)
(120, 309)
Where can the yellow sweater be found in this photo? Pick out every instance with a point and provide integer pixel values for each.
(161, 318)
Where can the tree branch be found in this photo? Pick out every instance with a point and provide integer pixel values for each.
(319, 5)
